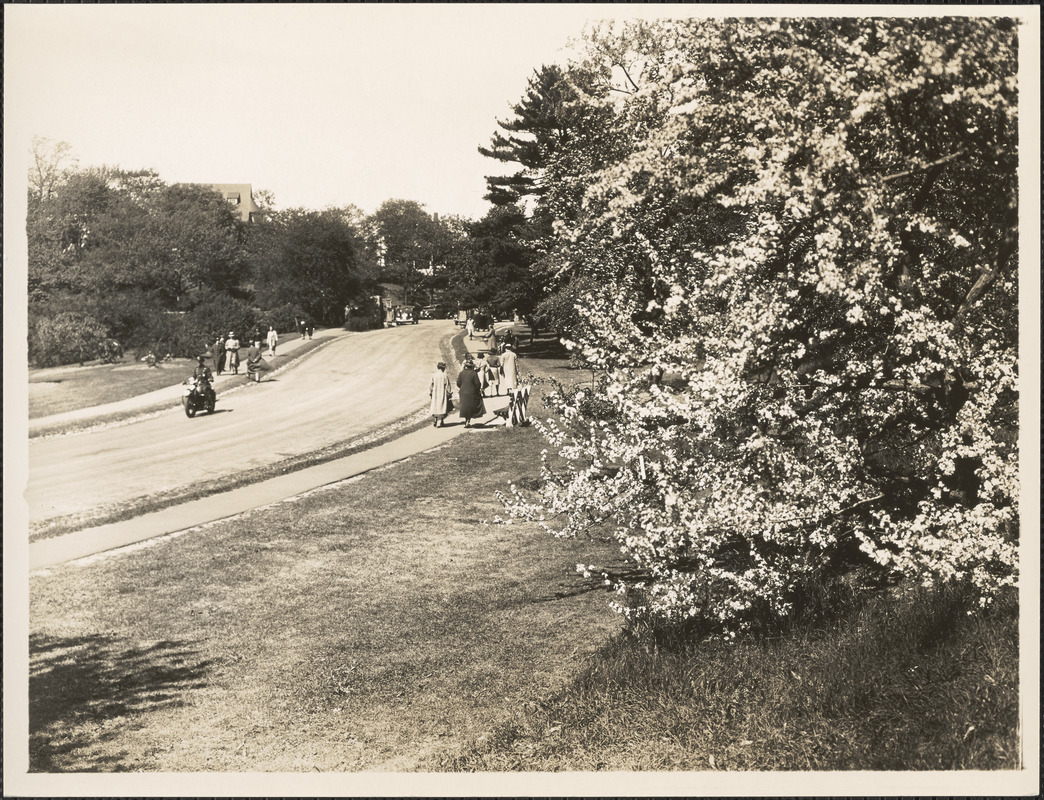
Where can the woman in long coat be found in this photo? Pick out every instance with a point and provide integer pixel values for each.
(471, 404)
(482, 368)
(509, 366)
(440, 395)
(219, 355)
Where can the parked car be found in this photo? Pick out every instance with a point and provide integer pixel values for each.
(433, 312)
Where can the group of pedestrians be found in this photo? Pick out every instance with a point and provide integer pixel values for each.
(496, 372)
(225, 352)
(226, 356)
(489, 373)
(493, 344)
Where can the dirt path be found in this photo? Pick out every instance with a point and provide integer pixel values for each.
(347, 388)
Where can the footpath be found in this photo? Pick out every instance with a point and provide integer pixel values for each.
(185, 516)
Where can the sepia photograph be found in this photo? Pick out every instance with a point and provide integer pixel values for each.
(521, 399)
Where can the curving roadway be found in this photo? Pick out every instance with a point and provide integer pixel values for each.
(352, 385)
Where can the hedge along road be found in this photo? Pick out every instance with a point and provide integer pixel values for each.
(351, 386)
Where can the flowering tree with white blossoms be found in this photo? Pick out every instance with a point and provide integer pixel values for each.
(804, 313)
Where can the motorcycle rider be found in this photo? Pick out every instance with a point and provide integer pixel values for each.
(204, 376)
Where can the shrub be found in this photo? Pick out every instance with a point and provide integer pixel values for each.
(788, 231)
(66, 338)
(186, 334)
(362, 324)
(283, 317)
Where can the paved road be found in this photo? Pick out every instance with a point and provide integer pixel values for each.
(342, 391)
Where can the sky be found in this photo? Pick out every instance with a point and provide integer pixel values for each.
(319, 104)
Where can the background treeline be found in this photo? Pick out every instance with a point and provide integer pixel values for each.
(123, 255)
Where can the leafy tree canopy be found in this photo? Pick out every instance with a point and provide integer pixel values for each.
(308, 259)
(491, 269)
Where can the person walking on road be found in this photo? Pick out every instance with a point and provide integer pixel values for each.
(470, 394)
(440, 393)
(273, 340)
(493, 368)
(256, 364)
(232, 353)
(491, 340)
(509, 367)
(471, 328)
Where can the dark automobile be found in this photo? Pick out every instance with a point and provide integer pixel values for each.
(433, 312)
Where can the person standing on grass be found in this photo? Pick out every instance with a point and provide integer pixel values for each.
(509, 368)
(232, 353)
(273, 340)
(493, 368)
(470, 394)
(440, 393)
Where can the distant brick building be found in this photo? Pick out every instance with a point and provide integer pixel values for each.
(239, 195)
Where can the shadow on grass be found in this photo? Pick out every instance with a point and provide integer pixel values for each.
(77, 685)
(549, 348)
(596, 583)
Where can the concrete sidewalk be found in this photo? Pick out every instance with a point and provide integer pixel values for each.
(170, 395)
(90, 541)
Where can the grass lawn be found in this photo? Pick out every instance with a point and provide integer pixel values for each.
(377, 625)
(903, 684)
(61, 389)
(56, 390)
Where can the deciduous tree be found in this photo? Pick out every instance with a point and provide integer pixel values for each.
(307, 259)
(803, 300)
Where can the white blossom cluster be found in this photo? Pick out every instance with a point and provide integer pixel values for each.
(804, 315)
